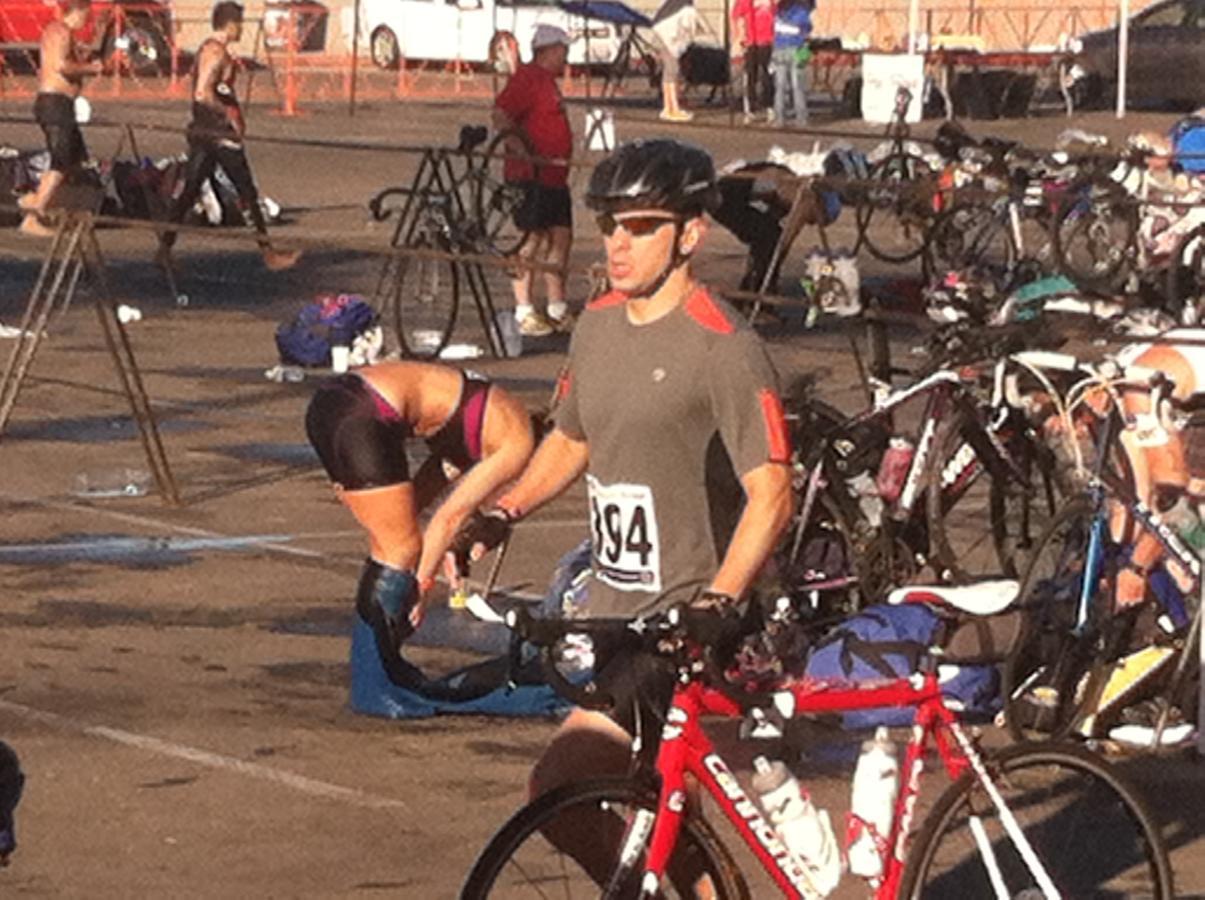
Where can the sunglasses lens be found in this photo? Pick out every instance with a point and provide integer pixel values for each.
(636, 226)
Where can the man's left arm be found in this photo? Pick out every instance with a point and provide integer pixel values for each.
(768, 505)
(752, 426)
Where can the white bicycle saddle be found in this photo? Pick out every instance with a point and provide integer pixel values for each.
(985, 598)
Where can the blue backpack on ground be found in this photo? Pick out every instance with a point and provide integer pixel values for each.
(1188, 144)
(886, 642)
(330, 319)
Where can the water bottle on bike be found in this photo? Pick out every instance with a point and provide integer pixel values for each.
(805, 830)
(893, 469)
(876, 783)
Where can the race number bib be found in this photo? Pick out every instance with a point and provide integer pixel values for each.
(623, 533)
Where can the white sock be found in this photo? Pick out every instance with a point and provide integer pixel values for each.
(558, 310)
(522, 311)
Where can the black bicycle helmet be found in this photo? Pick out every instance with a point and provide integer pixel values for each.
(655, 174)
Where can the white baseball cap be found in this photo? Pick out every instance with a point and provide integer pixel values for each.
(548, 35)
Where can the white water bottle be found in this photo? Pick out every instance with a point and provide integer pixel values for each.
(805, 830)
(876, 783)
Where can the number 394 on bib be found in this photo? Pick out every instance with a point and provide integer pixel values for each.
(623, 529)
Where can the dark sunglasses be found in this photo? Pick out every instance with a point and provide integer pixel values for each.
(636, 226)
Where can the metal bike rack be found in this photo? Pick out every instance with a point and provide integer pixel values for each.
(436, 176)
(74, 250)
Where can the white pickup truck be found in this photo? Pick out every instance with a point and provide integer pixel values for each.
(461, 30)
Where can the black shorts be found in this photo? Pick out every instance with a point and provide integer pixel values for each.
(544, 207)
(56, 114)
(359, 437)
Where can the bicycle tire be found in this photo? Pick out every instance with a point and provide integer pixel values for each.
(972, 236)
(699, 849)
(1186, 278)
(1018, 511)
(891, 191)
(1049, 671)
(1117, 849)
(1098, 217)
(425, 298)
(495, 199)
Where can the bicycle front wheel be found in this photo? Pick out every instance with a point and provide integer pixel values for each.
(426, 298)
(601, 829)
(1090, 832)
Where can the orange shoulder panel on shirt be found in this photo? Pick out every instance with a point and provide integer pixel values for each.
(611, 298)
(703, 309)
(777, 437)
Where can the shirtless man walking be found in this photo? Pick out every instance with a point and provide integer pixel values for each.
(215, 135)
(60, 77)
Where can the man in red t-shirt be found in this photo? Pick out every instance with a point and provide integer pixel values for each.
(753, 26)
(532, 103)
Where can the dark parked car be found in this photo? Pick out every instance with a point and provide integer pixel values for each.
(1166, 59)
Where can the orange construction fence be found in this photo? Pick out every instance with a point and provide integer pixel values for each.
(299, 51)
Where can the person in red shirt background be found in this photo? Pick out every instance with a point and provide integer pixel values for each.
(532, 103)
(753, 26)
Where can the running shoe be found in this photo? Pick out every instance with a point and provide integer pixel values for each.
(680, 115)
(535, 325)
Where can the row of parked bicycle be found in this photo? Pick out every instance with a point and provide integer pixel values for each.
(1114, 220)
(1011, 471)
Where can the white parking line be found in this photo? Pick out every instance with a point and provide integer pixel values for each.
(206, 758)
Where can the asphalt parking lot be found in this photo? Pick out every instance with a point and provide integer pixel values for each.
(175, 678)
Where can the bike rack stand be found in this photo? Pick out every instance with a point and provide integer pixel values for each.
(435, 175)
(74, 250)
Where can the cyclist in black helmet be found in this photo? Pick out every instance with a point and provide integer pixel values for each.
(667, 398)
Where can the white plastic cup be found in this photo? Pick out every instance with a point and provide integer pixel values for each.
(340, 358)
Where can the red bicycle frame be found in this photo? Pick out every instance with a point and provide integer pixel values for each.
(685, 748)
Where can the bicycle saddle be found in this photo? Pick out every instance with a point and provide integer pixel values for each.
(472, 137)
(987, 598)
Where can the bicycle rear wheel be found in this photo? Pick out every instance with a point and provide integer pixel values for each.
(425, 297)
(1094, 234)
(962, 491)
(495, 199)
(894, 214)
(613, 816)
(1186, 278)
(971, 236)
(1048, 674)
(1088, 827)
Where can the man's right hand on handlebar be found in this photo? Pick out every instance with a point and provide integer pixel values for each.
(479, 535)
